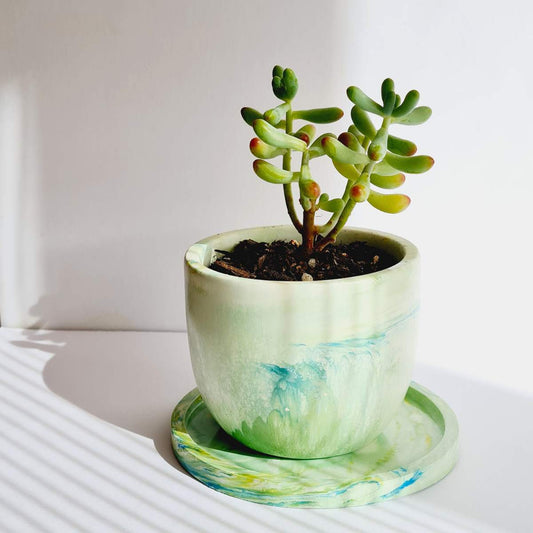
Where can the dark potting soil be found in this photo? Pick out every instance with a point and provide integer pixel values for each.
(285, 261)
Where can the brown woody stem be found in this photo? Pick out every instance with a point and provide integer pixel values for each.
(309, 231)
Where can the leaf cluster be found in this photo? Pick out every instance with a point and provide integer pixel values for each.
(366, 155)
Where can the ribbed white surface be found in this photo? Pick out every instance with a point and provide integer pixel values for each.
(84, 446)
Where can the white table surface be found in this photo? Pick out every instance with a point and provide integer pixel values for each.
(85, 446)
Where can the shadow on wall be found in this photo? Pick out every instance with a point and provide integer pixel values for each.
(114, 117)
(132, 380)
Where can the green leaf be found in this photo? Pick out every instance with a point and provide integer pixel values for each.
(418, 115)
(346, 170)
(389, 203)
(306, 133)
(358, 97)
(278, 88)
(350, 140)
(331, 206)
(378, 147)
(274, 116)
(284, 83)
(249, 114)
(409, 103)
(263, 150)
(272, 174)
(387, 182)
(277, 71)
(384, 169)
(323, 115)
(309, 188)
(387, 87)
(388, 104)
(342, 154)
(290, 82)
(412, 165)
(401, 146)
(316, 149)
(356, 133)
(277, 138)
(359, 192)
(363, 123)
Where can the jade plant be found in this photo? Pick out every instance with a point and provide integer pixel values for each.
(364, 156)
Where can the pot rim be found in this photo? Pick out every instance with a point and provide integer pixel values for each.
(195, 256)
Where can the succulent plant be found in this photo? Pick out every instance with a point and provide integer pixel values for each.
(364, 156)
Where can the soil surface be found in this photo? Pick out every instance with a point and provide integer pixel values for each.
(285, 261)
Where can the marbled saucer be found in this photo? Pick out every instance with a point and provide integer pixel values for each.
(416, 450)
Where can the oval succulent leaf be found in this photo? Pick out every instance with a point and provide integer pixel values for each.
(322, 115)
(388, 104)
(346, 170)
(284, 85)
(277, 71)
(309, 188)
(401, 146)
(274, 116)
(412, 165)
(362, 122)
(389, 203)
(263, 150)
(306, 133)
(418, 115)
(387, 182)
(359, 192)
(409, 103)
(387, 87)
(350, 140)
(275, 137)
(290, 82)
(316, 149)
(277, 87)
(342, 154)
(378, 147)
(331, 206)
(272, 174)
(249, 114)
(384, 169)
(358, 97)
(356, 133)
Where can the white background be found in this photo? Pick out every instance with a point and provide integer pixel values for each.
(121, 144)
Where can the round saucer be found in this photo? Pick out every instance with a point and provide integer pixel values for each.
(416, 450)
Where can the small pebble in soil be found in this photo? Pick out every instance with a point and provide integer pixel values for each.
(312, 262)
(307, 277)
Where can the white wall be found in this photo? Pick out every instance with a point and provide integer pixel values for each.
(121, 143)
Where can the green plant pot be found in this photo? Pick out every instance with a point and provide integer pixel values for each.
(302, 369)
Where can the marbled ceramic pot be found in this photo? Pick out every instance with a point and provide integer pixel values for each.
(302, 369)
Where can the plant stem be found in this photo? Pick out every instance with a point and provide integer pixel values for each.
(289, 202)
(345, 214)
(287, 187)
(325, 228)
(335, 216)
(309, 231)
(332, 235)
